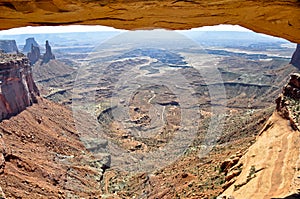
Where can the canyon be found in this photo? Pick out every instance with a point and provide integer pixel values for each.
(155, 110)
(236, 165)
(41, 153)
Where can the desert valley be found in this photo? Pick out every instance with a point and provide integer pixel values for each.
(149, 114)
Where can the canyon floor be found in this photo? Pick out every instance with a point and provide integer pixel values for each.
(153, 118)
(44, 157)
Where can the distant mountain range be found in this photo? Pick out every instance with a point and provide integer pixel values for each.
(62, 38)
(206, 38)
(231, 38)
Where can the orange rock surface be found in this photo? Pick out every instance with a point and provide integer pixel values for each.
(279, 18)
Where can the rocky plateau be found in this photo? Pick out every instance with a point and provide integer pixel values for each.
(8, 46)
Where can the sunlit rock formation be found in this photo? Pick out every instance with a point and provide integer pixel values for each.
(269, 168)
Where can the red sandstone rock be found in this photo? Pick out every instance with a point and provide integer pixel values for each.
(18, 89)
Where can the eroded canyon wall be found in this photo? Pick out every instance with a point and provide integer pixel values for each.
(18, 90)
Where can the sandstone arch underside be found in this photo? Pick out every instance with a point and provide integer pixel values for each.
(278, 18)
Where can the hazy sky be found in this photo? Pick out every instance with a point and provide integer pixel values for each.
(81, 28)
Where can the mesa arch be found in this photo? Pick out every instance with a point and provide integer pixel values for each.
(278, 18)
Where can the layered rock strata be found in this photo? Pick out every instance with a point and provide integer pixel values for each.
(17, 88)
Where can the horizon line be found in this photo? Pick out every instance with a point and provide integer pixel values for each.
(98, 28)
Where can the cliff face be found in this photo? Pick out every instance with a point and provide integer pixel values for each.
(8, 46)
(18, 89)
(296, 57)
(269, 169)
(34, 55)
(29, 42)
(288, 103)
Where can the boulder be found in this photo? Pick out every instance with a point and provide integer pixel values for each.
(229, 163)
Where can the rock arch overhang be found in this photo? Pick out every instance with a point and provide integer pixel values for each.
(278, 18)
